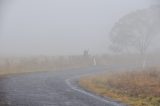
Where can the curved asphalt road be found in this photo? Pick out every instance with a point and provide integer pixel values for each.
(49, 89)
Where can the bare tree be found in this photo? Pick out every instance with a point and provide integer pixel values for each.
(135, 31)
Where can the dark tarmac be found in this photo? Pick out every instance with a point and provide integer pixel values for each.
(49, 89)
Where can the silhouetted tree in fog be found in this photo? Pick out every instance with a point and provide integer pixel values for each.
(135, 31)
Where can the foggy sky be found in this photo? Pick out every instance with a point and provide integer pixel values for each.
(61, 27)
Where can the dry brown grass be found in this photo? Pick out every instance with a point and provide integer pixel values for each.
(137, 88)
(137, 84)
(14, 65)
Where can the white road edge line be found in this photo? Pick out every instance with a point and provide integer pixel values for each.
(68, 82)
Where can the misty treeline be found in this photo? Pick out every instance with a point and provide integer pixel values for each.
(53, 63)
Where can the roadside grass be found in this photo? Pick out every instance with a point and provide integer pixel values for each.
(135, 88)
(32, 68)
(24, 70)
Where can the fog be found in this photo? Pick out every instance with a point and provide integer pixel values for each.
(61, 27)
(79, 52)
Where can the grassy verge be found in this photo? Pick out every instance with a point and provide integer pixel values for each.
(36, 70)
(138, 88)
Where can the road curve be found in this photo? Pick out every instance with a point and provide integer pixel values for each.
(49, 89)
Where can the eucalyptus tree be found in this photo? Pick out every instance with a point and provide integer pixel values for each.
(136, 31)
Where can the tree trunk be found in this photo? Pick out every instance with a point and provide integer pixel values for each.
(143, 61)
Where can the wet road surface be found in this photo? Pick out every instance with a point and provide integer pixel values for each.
(48, 89)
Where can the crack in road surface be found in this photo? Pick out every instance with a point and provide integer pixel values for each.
(49, 89)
